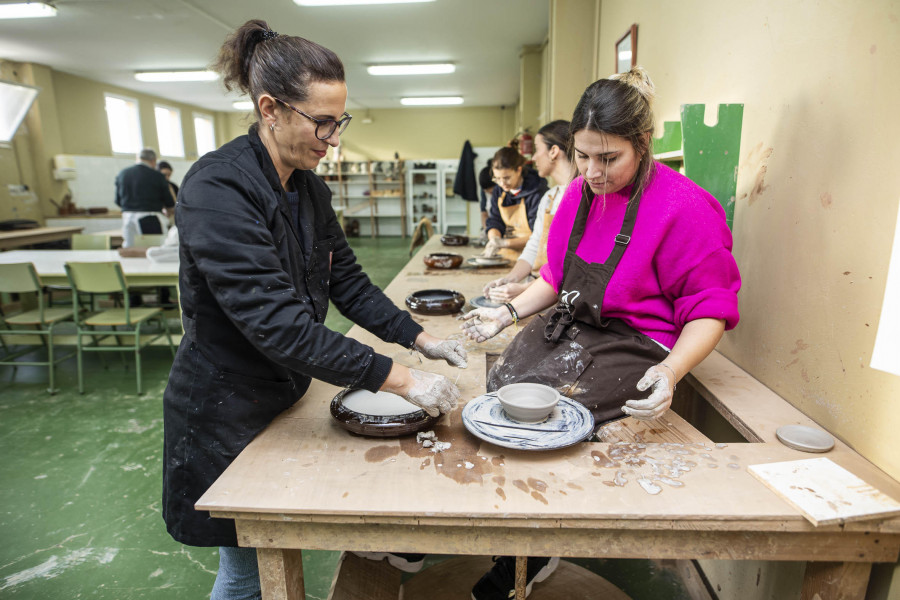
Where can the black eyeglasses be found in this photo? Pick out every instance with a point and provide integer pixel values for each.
(330, 125)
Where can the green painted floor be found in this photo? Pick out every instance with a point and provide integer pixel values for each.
(80, 485)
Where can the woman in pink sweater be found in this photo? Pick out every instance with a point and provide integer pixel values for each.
(639, 270)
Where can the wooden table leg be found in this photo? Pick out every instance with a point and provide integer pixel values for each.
(835, 581)
(280, 574)
(521, 576)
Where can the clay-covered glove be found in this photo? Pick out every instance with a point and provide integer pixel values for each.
(433, 393)
(484, 323)
(449, 350)
(662, 380)
(495, 283)
(505, 293)
(492, 248)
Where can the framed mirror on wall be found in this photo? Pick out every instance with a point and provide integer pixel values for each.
(626, 50)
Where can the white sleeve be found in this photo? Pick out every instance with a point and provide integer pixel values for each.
(530, 252)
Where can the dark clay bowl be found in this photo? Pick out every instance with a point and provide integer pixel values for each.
(454, 240)
(435, 302)
(378, 426)
(443, 260)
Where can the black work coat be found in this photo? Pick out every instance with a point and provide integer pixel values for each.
(533, 189)
(253, 305)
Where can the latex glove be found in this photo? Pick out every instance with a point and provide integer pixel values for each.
(505, 293)
(495, 283)
(492, 248)
(662, 379)
(433, 393)
(449, 350)
(484, 323)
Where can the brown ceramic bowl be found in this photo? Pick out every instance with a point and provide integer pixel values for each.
(443, 260)
(435, 302)
(451, 239)
(378, 425)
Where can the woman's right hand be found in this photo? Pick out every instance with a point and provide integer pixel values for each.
(495, 283)
(484, 323)
(506, 293)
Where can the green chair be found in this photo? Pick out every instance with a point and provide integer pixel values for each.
(86, 241)
(22, 278)
(103, 278)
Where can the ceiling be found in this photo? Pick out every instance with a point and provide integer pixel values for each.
(107, 40)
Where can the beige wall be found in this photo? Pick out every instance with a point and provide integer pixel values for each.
(818, 185)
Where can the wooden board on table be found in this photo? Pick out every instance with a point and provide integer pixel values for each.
(824, 492)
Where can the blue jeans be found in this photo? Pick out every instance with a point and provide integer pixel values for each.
(238, 576)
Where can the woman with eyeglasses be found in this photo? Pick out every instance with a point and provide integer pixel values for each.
(551, 160)
(261, 255)
(514, 202)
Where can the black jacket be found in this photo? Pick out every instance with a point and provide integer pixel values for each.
(141, 188)
(533, 189)
(253, 305)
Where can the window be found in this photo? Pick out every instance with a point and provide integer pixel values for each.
(205, 132)
(168, 131)
(124, 124)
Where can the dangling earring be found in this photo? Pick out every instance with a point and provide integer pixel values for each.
(272, 127)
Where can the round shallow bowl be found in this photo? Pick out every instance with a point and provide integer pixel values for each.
(807, 439)
(451, 239)
(443, 260)
(482, 262)
(381, 414)
(528, 402)
(435, 302)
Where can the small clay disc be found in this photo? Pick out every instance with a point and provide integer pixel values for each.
(807, 439)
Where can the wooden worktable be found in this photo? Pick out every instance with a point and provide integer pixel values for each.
(307, 483)
(38, 235)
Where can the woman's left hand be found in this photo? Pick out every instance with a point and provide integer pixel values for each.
(505, 293)
(449, 350)
(662, 379)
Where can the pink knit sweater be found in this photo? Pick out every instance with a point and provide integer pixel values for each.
(678, 266)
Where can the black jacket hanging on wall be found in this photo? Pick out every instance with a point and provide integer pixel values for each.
(254, 303)
(466, 182)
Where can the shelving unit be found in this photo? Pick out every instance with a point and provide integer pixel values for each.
(430, 194)
(369, 188)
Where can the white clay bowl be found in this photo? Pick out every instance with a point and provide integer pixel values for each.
(528, 402)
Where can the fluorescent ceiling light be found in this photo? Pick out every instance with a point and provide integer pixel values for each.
(243, 105)
(434, 101)
(177, 76)
(350, 2)
(26, 10)
(412, 69)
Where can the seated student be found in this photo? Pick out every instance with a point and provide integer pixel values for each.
(166, 169)
(550, 158)
(640, 272)
(514, 202)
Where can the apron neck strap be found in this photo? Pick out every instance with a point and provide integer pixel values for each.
(624, 235)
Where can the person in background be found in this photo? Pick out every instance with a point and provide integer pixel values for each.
(165, 252)
(514, 202)
(166, 169)
(261, 255)
(486, 182)
(640, 271)
(143, 194)
(551, 160)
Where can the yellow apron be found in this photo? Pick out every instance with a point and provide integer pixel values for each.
(515, 216)
(541, 258)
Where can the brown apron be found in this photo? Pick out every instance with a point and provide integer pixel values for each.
(541, 258)
(592, 360)
(515, 216)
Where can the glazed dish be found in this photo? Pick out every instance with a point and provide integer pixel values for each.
(443, 260)
(487, 261)
(381, 414)
(435, 302)
(482, 302)
(569, 423)
(451, 239)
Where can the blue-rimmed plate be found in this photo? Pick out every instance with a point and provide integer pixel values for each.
(568, 424)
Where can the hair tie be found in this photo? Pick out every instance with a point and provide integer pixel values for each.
(268, 34)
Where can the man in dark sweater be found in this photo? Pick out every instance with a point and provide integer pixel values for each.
(142, 192)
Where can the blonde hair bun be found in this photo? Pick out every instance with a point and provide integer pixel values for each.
(638, 78)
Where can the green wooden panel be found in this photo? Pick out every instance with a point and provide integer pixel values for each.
(711, 153)
(670, 139)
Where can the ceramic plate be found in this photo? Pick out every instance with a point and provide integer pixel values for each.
(482, 302)
(475, 261)
(807, 439)
(435, 302)
(377, 425)
(568, 424)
